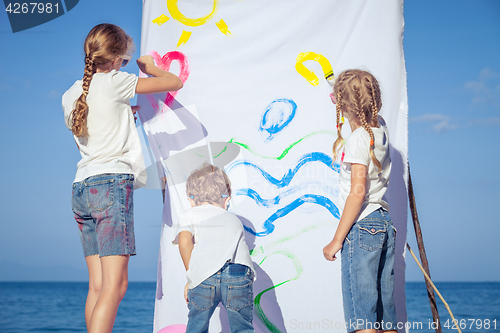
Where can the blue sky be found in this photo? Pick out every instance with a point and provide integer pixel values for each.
(452, 53)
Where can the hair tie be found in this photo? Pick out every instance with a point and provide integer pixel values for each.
(192, 197)
(371, 142)
(224, 195)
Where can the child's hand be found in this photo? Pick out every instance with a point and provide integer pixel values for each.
(146, 63)
(331, 250)
(186, 288)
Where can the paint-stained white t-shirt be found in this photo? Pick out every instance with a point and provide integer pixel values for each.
(218, 236)
(113, 144)
(357, 150)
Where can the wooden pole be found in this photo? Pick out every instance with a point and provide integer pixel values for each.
(427, 278)
(423, 256)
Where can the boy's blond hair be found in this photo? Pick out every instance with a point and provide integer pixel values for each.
(208, 184)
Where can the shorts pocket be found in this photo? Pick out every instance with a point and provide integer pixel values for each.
(100, 194)
(239, 297)
(372, 235)
(202, 296)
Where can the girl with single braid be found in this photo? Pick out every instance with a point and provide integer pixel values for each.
(98, 112)
(365, 234)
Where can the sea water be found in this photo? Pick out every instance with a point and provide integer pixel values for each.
(59, 307)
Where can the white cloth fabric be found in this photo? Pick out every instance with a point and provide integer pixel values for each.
(113, 144)
(283, 180)
(357, 150)
(218, 237)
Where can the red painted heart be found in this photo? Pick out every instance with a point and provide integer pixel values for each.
(164, 63)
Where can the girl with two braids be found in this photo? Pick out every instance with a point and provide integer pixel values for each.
(365, 234)
(98, 112)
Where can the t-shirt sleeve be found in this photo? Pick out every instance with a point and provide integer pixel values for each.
(357, 149)
(67, 112)
(184, 223)
(124, 84)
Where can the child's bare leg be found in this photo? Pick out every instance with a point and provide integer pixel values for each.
(114, 287)
(95, 283)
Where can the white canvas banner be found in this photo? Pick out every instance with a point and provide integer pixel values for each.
(255, 102)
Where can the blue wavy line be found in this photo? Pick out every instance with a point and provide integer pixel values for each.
(268, 225)
(287, 178)
(276, 200)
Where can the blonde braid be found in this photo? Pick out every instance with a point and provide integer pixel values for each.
(362, 119)
(87, 75)
(375, 107)
(367, 128)
(339, 141)
(80, 112)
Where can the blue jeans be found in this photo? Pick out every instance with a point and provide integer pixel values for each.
(231, 285)
(368, 274)
(104, 210)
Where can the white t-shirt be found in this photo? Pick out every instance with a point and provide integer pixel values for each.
(113, 144)
(218, 237)
(357, 150)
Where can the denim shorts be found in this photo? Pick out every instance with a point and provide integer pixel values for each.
(104, 210)
(368, 274)
(233, 286)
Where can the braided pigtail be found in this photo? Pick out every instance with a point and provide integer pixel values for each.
(366, 126)
(376, 103)
(339, 141)
(360, 114)
(80, 113)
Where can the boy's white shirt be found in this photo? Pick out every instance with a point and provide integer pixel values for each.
(113, 144)
(357, 150)
(218, 237)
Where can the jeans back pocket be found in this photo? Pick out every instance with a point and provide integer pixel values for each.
(372, 235)
(100, 194)
(240, 296)
(202, 296)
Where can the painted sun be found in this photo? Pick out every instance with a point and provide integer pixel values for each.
(173, 8)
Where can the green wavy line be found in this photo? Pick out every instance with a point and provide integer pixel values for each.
(214, 156)
(298, 267)
(223, 150)
(258, 308)
(285, 152)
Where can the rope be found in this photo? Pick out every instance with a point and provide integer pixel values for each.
(434, 287)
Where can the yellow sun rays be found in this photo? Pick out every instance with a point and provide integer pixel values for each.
(173, 8)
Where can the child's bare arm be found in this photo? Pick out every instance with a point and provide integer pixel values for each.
(162, 81)
(186, 247)
(351, 210)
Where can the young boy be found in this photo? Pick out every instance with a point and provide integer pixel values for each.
(212, 246)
